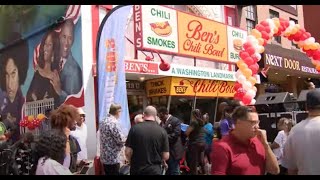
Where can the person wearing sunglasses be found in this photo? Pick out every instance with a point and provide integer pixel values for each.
(245, 150)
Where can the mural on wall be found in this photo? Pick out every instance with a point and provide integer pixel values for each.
(40, 60)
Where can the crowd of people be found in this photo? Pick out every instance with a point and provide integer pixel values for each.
(158, 145)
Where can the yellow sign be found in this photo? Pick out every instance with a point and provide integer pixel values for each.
(177, 86)
(203, 38)
(158, 87)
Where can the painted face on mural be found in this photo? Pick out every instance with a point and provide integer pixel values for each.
(48, 49)
(12, 79)
(66, 40)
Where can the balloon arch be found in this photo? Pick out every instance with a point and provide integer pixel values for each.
(254, 46)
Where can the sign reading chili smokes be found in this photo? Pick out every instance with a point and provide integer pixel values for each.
(175, 32)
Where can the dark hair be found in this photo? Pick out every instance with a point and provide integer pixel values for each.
(19, 53)
(64, 116)
(56, 49)
(51, 144)
(196, 113)
(163, 110)
(241, 113)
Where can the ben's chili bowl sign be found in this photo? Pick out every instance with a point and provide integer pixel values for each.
(199, 37)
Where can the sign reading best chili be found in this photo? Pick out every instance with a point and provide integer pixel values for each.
(170, 31)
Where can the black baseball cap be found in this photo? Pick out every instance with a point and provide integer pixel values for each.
(313, 99)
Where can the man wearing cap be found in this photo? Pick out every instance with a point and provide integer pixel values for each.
(147, 145)
(301, 150)
(81, 135)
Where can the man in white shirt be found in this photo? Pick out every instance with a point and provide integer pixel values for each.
(81, 135)
(301, 150)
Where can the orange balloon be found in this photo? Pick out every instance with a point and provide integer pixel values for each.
(239, 62)
(30, 118)
(294, 30)
(275, 30)
(318, 67)
(243, 66)
(276, 22)
(247, 72)
(314, 62)
(256, 33)
(252, 80)
(261, 49)
(261, 41)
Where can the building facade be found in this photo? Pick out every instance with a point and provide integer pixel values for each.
(285, 66)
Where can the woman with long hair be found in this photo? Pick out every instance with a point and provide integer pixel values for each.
(197, 144)
(284, 127)
(65, 119)
(50, 151)
(41, 86)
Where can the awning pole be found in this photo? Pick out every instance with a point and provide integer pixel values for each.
(216, 109)
(168, 105)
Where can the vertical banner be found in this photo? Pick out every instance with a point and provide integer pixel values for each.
(111, 65)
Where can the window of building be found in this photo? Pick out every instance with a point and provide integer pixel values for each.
(275, 14)
(294, 6)
(184, 8)
(296, 22)
(251, 17)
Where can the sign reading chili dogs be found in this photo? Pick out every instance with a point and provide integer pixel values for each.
(174, 32)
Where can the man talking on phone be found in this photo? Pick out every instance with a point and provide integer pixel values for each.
(245, 150)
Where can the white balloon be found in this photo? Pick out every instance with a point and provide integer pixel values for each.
(258, 55)
(253, 102)
(241, 79)
(251, 93)
(241, 103)
(238, 73)
(272, 26)
(252, 39)
(246, 85)
(292, 23)
(312, 40)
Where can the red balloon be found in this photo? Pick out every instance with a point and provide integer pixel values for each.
(297, 36)
(246, 100)
(316, 55)
(250, 50)
(249, 61)
(310, 53)
(265, 23)
(237, 86)
(244, 54)
(241, 92)
(254, 58)
(247, 45)
(267, 29)
(290, 37)
(254, 68)
(265, 35)
(260, 27)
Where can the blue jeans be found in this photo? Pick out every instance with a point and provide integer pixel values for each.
(173, 166)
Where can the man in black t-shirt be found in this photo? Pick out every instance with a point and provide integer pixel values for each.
(147, 146)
